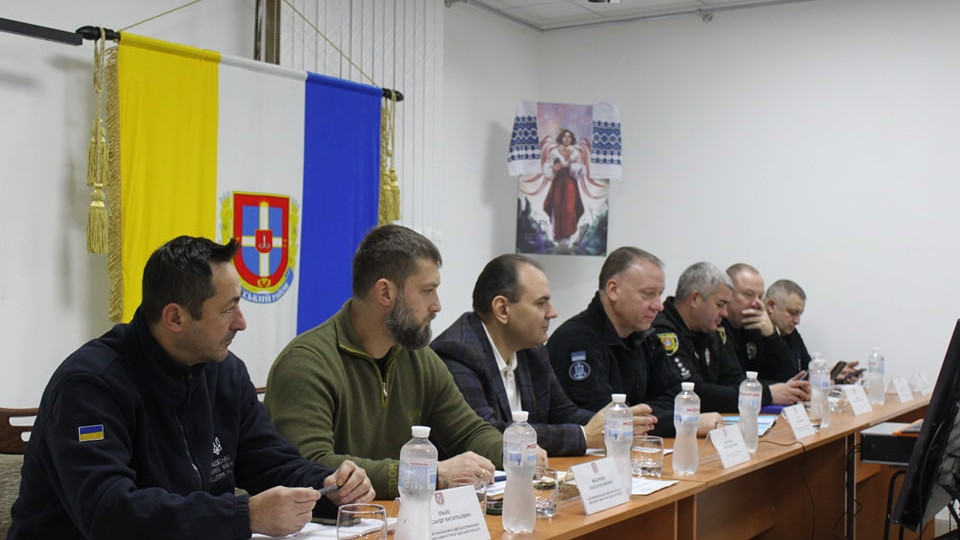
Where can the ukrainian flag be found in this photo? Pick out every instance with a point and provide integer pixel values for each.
(285, 161)
(90, 433)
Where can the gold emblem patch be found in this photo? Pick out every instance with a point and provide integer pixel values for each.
(670, 342)
(723, 334)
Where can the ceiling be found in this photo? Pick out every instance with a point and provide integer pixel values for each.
(546, 15)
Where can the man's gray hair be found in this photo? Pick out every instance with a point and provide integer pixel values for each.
(703, 278)
(782, 288)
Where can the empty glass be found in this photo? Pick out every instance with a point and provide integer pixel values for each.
(362, 522)
(479, 486)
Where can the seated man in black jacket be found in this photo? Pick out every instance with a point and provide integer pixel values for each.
(609, 347)
(687, 328)
(750, 334)
(785, 302)
(146, 431)
(498, 360)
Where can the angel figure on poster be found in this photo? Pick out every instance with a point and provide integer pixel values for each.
(565, 165)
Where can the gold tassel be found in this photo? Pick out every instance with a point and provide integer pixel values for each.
(97, 222)
(98, 157)
(389, 209)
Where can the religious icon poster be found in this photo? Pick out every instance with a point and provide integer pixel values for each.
(564, 156)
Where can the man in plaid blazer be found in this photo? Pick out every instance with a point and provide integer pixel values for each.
(498, 360)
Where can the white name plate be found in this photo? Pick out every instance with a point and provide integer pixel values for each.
(903, 390)
(599, 485)
(799, 421)
(858, 399)
(457, 514)
(730, 446)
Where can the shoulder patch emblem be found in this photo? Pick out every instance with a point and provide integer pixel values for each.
(579, 368)
(670, 342)
(723, 334)
(90, 433)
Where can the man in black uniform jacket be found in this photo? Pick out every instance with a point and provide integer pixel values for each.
(785, 302)
(750, 335)
(609, 348)
(687, 328)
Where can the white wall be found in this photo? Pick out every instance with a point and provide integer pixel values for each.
(816, 141)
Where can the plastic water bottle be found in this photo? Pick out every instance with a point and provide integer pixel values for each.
(686, 418)
(519, 461)
(618, 438)
(819, 392)
(417, 482)
(751, 394)
(875, 387)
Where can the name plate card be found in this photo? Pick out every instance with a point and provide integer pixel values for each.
(922, 385)
(599, 485)
(903, 390)
(799, 421)
(729, 444)
(858, 399)
(457, 514)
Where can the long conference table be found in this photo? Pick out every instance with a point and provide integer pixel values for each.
(813, 488)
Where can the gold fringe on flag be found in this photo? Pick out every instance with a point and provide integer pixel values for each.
(389, 210)
(97, 157)
(112, 186)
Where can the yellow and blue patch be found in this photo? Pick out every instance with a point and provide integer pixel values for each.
(90, 433)
(670, 342)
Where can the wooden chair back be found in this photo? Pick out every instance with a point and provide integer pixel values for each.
(13, 435)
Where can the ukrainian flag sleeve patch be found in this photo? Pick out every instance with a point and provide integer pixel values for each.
(90, 433)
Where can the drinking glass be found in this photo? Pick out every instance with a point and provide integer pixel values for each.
(362, 522)
(646, 455)
(479, 486)
(545, 489)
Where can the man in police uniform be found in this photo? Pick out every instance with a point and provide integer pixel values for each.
(785, 302)
(608, 348)
(750, 335)
(688, 330)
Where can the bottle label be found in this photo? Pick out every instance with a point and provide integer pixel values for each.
(686, 414)
(750, 399)
(417, 474)
(519, 454)
(617, 430)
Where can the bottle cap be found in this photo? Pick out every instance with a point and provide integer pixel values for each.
(751, 374)
(520, 416)
(421, 432)
(618, 398)
(687, 386)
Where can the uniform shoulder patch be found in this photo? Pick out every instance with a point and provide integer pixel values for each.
(90, 433)
(670, 342)
(579, 368)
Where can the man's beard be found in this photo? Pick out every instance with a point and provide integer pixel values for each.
(406, 330)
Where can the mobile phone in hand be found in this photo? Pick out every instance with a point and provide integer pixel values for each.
(837, 369)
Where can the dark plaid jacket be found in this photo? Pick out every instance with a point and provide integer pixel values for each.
(466, 350)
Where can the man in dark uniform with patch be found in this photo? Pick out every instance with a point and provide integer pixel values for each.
(750, 333)
(689, 329)
(609, 348)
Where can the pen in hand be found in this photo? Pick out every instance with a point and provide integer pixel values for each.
(332, 488)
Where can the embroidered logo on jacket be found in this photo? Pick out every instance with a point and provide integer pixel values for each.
(579, 368)
(222, 465)
(751, 350)
(90, 433)
(723, 334)
(670, 342)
